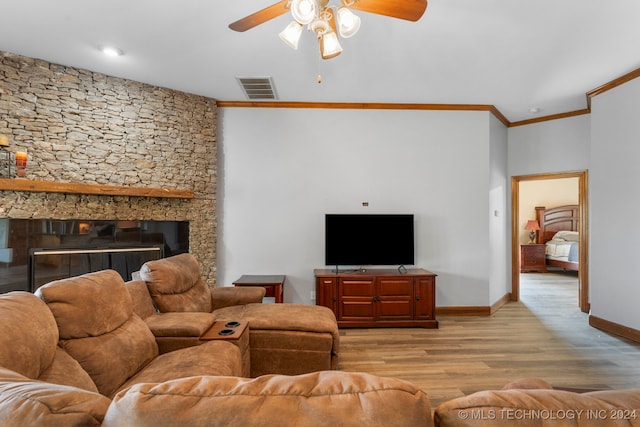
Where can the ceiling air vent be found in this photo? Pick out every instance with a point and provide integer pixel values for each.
(257, 87)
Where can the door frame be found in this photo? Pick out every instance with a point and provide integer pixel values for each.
(583, 229)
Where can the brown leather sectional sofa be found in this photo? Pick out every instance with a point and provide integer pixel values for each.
(77, 354)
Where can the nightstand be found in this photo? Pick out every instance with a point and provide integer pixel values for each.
(533, 258)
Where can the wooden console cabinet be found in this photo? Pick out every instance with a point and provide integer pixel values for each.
(379, 297)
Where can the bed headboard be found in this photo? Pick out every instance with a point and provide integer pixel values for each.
(556, 219)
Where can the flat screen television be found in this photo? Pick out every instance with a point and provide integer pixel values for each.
(369, 239)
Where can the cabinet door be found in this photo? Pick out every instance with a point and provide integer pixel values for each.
(424, 298)
(326, 293)
(355, 299)
(394, 297)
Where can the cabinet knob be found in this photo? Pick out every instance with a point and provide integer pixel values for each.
(417, 297)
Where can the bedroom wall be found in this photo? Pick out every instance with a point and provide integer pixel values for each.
(614, 205)
(548, 193)
(281, 170)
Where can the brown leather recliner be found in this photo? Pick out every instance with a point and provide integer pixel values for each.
(175, 284)
(98, 327)
(286, 339)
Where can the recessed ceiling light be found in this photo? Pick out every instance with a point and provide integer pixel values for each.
(534, 110)
(112, 51)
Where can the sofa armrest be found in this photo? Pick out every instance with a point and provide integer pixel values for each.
(27, 402)
(226, 296)
(316, 399)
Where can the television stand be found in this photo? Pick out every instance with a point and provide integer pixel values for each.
(379, 297)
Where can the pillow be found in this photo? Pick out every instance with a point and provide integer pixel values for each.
(568, 236)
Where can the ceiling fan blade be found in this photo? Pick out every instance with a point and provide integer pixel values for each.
(260, 16)
(410, 10)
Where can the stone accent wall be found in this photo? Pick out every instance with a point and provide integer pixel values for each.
(81, 126)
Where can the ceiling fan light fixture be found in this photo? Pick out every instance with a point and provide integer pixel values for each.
(304, 11)
(348, 22)
(329, 45)
(291, 34)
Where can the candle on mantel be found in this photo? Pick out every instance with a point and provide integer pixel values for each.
(21, 164)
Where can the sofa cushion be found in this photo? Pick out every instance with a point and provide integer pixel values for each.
(89, 305)
(65, 370)
(185, 324)
(328, 398)
(142, 302)
(287, 317)
(175, 284)
(98, 328)
(540, 408)
(26, 402)
(29, 334)
(219, 358)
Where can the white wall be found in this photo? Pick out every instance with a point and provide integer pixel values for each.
(499, 231)
(281, 170)
(614, 206)
(548, 147)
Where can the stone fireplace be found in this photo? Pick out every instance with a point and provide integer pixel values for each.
(82, 127)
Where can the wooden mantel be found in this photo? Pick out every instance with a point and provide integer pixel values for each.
(19, 184)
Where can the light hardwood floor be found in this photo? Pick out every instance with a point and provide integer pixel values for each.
(544, 335)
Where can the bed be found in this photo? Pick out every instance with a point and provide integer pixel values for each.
(559, 233)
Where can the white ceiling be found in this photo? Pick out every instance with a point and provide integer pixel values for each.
(513, 54)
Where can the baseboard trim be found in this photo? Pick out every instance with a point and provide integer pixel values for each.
(473, 310)
(614, 328)
(463, 311)
(502, 301)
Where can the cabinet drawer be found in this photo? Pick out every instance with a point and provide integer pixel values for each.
(356, 287)
(395, 287)
(326, 281)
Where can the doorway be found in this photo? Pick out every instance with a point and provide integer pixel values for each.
(583, 271)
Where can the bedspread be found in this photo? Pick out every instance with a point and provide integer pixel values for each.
(562, 250)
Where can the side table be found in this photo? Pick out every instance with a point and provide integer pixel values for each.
(273, 284)
(236, 333)
(533, 258)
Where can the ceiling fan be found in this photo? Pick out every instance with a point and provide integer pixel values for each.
(320, 18)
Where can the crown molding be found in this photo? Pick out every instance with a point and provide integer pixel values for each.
(434, 107)
(365, 106)
(550, 117)
(612, 84)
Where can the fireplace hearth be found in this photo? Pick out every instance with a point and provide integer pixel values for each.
(36, 251)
